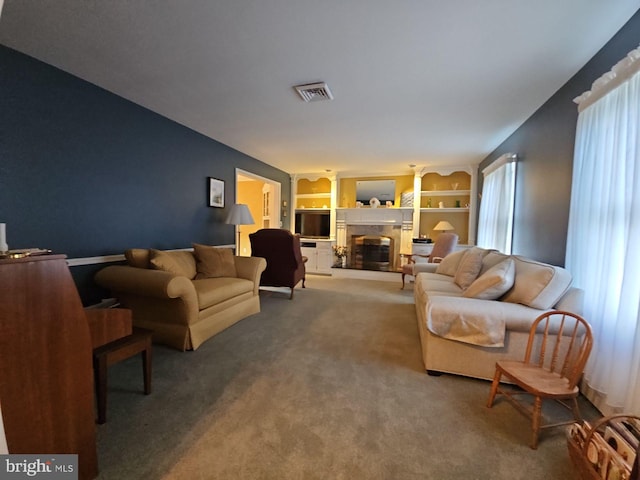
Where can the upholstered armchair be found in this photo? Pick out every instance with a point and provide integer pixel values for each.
(443, 246)
(285, 263)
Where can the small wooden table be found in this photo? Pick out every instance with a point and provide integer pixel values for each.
(113, 352)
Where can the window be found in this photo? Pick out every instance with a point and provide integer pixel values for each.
(603, 244)
(495, 224)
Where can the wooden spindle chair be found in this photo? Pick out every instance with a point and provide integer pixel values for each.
(552, 367)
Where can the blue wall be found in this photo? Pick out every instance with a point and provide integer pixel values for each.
(87, 173)
(544, 144)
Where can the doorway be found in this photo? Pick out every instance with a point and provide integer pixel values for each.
(262, 196)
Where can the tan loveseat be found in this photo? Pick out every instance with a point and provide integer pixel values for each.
(185, 297)
(477, 306)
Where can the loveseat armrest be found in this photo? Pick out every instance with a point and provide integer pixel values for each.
(251, 268)
(147, 283)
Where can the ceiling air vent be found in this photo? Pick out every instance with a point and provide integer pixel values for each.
(314, 92)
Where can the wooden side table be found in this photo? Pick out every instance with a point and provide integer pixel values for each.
(113, 352)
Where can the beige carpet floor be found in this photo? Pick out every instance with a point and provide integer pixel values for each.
(329, 385)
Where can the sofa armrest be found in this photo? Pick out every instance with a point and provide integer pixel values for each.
(147, 283)
(424, 267)
(572, 301)
(251, 268)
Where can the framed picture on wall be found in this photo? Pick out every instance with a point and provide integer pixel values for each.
(216, 192)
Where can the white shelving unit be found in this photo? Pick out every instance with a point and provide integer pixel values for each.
(440, 178)
(318, 251)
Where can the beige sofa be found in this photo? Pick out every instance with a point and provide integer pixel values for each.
(185, 297)
(477, 306)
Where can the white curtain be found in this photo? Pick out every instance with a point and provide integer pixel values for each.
(495, 223)
(603, 244)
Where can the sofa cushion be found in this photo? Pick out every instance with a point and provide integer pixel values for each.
(469, 267)
(212, 291)
(435, 283)
(177, 262)
(137, 257)
(491, 259)
(494, 283)
(214, 262)
(537, 285)
(449, 264)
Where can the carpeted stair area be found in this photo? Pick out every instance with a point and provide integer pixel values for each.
(328, 385)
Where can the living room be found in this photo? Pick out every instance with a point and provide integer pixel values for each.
(90, 173)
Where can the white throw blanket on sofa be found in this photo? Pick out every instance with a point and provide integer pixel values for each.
(478, 322)
(450, 318)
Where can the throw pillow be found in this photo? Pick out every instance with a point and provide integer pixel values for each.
(469, 267)
(179, 263)
(493, 283)
(449, 264)
(137, 257)
(538, 285)
(214, 262)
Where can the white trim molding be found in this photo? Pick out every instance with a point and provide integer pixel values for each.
(621, 72)
(500, 161)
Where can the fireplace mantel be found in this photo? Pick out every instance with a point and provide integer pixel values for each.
(374, 216)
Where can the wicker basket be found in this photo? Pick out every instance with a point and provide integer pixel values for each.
(594, 456)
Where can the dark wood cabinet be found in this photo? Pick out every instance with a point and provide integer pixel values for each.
(46, 378)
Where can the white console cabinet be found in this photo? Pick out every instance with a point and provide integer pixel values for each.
(319, 253)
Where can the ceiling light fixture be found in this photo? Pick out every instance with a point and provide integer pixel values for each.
(314, 92)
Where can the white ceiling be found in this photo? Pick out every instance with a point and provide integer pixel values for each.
(424, 82)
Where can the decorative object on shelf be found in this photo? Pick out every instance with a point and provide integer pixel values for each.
(441, 205)
(341, 251)
(443, 226)
(454, 186)
(374, 202)
(216, 192)
(457, 203)
(429, 203)
(4, 248)
(239, 215)
(389, 203)
(406, 199)
(358, 204)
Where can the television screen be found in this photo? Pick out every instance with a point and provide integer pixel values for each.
(383, 190)
(313, 224)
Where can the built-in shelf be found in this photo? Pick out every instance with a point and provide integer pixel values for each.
(444, 193)
(446, 210)
(314, 195)
(377, 209)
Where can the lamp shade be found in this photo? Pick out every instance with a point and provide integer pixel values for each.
(443, 226)
(240, 215)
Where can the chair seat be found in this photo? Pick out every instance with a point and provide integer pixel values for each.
(536, 380)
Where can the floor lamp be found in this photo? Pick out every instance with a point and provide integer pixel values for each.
(239, 215)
